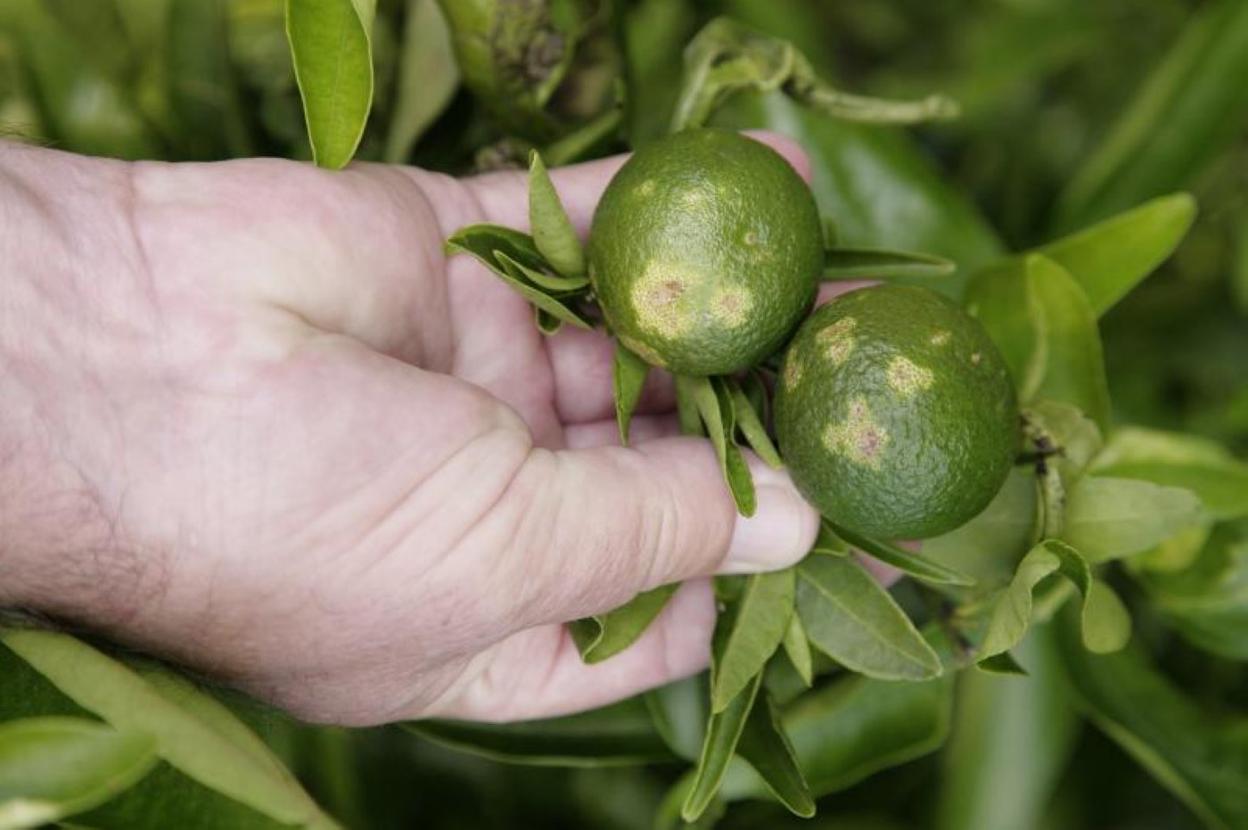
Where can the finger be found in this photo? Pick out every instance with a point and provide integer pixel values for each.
(539, 673)
(606, 433)
(589, 529)
(583, 362)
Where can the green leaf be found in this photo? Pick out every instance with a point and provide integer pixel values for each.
(1216, 477)
(849, 617)
(765, 746)
(203, 92)
(1072, 437)
(512, 256)
(988, 547)
(987, 782)
(553, 233)
(54, 767)
(331, 47)
(1003, 663)
(755, 631)
(1188, 110)
(714, 407)
(723, 730)
(606, 635)
(913, 564)
(194, 734)
(1106, 625)
(668, 816)
(751, 425)
(1108, 518)
(428, 78)
(880, 264)
(679, 711)
(1111, 257)
(1068, 364)
(1207, 602)
(628, 377)
(797, 648)
(849, 729)
(1194, 750)
(622, 733)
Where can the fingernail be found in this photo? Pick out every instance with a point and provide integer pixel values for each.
(780, 532)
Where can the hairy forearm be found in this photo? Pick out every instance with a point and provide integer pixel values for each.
(65, 253)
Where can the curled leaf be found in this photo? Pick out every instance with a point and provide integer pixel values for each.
(553, 233)
(606, 635)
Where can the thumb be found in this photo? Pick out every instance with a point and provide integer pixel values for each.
(604, 524)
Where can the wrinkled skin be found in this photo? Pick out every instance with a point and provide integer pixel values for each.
(254, 421)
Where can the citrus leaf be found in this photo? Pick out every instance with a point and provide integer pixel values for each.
(1194, 750)
(751, 426)
(54, 767)
(855, 726)
(628, 376)
(668, 816)
(687, 405)
(1072, 437)
(1003, 663)
(1207, 602)
(679, 711)
(331, 47)
(849, 617)
(765, 746)
(756, 629)
(606, 635)
(552, 230)
(194, 734)
(1108, 518)
(203, 92)
(621, 733)
(880, 264)
(828, 543)
(903, 560)
(989, 546)
(797, 648)
(714, 407)
(427, 79)
(1111, 257)
(986, 781)
(547, 324)
(1068, 364)
(1217, 478)
(1106, 625)
(723, 730)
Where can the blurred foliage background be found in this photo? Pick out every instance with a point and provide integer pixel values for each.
(1072, 111)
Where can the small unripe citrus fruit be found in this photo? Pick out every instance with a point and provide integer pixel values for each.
(895, 413)
(705, 252)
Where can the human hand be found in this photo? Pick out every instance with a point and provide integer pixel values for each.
(256, 422)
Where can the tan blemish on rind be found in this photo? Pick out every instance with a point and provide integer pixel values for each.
(792, 370)
(732, 306)
(975, 358)
(837, 341)
(940, 338)
(658, 300)
(907, 377)
(646, 188)
(859, 438)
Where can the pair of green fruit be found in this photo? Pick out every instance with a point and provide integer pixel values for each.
(894, 411)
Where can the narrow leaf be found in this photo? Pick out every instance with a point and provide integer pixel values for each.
(849, 617)
(331, 46)
(54, 767)
(605, 635)
(752, 427)
(758, 627)
(797, 648)
(765, 746)
(717, 417)
(903, 560)
(880, 264)
(552, 230)
(628, 376)
(679, 711)
(427, 79)
(722, 733)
